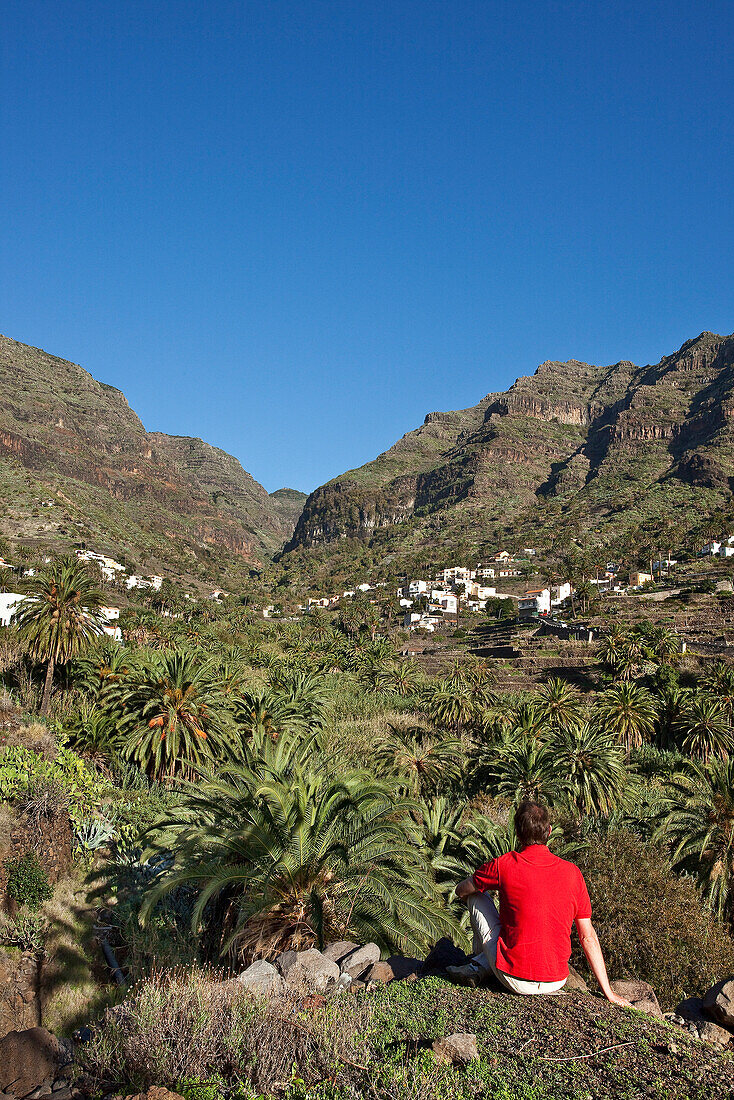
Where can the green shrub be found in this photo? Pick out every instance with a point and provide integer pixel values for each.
(27, 881)
(22, 771)
(652, 925)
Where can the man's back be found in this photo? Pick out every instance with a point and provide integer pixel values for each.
(540, 896)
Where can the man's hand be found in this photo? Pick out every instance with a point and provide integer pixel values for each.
(615, 999)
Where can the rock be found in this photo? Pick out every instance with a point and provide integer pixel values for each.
(62, 1093)
(575, 981)
(403, 968)
(345, 981)
(262, 979)
(445, 953)
(359, 960)
(691, 1011)
(640, 995)
(718, 1002)
(20, 1005)
(312, 973)
(335, 952)
(380, 973)
(30, 1059)
(357, 986)
(460, 1049)
(285, 961)
(40, 1093)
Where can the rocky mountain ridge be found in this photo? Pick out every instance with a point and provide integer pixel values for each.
(77, 462)
(600, 446)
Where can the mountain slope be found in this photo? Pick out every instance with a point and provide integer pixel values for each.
(574, 445)
(77, 463)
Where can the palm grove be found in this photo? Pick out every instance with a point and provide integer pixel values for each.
(274, 785)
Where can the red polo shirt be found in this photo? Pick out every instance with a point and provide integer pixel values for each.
(541, 896)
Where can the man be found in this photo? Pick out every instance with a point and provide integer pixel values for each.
(527, 944)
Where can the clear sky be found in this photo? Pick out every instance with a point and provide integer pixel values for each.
(293, 229)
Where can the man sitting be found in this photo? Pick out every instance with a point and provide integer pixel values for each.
(527, 944)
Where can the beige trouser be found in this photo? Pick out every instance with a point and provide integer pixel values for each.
(485, 922)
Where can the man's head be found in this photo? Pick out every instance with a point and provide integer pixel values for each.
(532, 823)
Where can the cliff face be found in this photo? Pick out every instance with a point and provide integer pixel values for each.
(81, 446)
(591, 442)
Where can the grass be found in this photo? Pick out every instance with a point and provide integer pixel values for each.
(73, 984)
(378, 1045)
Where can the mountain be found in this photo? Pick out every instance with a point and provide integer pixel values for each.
(574, 447)
(76, 464)
(288, 503)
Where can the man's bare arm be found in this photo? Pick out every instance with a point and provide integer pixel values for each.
(593, 952)
(466, 888)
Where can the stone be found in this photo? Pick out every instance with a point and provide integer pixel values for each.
(62, 1094)
(575, 981)
(460, 1049)
(360, 960)
(285, 961)
(641, 996)
(20, 1005)
(345, 982)
(718, 1002)
(445, 953)
(29, 1059)
(403, 967)
(691, 1012)
(338, 951)
(262, 979)
(312, 973)
(357, 986)
(380, 973)
(40, 1093)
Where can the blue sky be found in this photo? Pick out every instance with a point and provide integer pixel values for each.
(293, 229)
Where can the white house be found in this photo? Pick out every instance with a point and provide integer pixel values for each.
(455, 573)
(710, 549)
(8, 603)
(560, 593)
(485, 572)
(448, 602)
(537, 601)
(417, 588)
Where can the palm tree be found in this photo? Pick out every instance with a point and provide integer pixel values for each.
(421, 758)
(404, 679)
(703, 728)
(698, 824)
(628, 713)
(177, 716)
(594, 765)
(453, 707)
(297, 862)
(520, 769)
(719, 680)
(59, 617)
(559, 703)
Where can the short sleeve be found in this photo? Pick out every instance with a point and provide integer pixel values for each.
(487, 877)
(583, 901)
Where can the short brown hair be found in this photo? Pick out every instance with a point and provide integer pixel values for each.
(532, 822)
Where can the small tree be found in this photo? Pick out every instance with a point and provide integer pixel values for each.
(60, 615)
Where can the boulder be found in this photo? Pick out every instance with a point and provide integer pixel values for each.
(575, 981)
(445, 953)
(311, 972)
(690, 1012)
(262, 979)
(360, 960)
(30, 1059)
(285, 961)
(380, 973)
(460, 1049)
(640, 995)
(718, 1002)
(336, 952)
